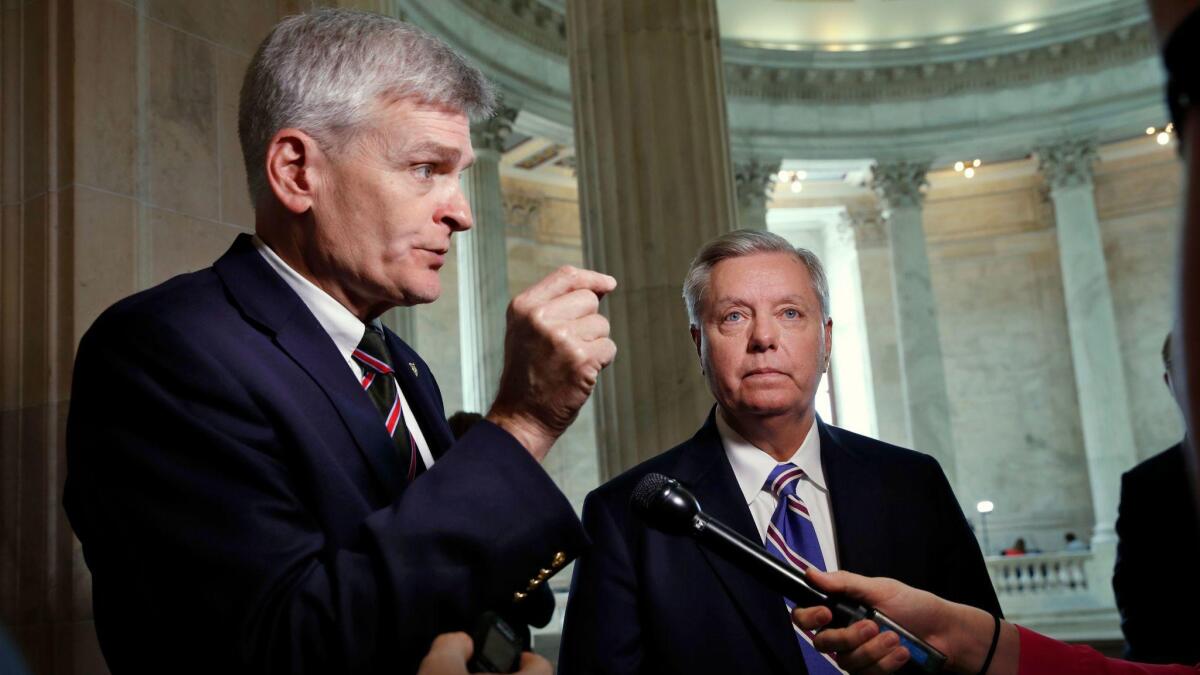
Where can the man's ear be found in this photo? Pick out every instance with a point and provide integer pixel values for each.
(293, 161)
(828, 344)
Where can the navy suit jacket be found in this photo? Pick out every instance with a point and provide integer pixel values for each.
(226, 481)
(645, 602)
(1157, 548)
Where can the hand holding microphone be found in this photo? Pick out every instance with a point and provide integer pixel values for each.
(668, 506)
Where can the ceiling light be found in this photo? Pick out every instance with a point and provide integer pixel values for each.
(797, 186)
(785, 176)
(969, 172)
(950, 40)
(1170, 127)
(958, 166)
(985, 506)
(801, 174)
(1163, 138)
(904, 44)
(1023, 28)
(1150, 131)
(977, 162)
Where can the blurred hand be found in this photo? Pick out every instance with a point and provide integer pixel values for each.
(451, 651)
(556, 346)
(961, 632)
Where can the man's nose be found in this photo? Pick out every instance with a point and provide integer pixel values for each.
(764, 334)
(455, 210)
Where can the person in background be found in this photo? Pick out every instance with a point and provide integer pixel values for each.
(1158, 537)
(1073, 543)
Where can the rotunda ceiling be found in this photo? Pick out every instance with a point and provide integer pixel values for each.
(858, 25)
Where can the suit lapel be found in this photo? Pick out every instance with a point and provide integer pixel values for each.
(855, 492)
(267, 300)
(708, 473)
(417, 383)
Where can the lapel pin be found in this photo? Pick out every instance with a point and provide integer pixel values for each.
(413, 367)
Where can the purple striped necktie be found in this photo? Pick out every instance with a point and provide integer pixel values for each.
(792, 538)
(379, 381)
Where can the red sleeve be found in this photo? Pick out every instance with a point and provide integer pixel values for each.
(1041, 655)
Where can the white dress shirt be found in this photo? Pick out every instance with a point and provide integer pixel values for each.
(345, 329)
(752, 466)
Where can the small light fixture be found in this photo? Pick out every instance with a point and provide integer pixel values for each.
(958, 166)
(801, 175)
(985, 506)
(1163, 138)
(797, 186)
(1150, 131)
(969, 172)
(976, 163)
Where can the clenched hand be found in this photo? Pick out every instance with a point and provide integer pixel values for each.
(557, 344)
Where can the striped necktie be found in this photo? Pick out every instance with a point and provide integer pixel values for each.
(379, 381)
(792, 538)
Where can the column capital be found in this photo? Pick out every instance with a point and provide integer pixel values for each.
(490, 134)
(899, 184)
(1067, 163)
(755, 179)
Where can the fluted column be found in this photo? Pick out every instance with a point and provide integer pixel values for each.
(922, 372)
(655, 182)
(754, 180)
(1095, 348)
(483, 267)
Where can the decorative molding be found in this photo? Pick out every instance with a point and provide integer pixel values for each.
(491, 133)
(755, 181)
(1124, 35)
(900, 184)
(868, 83)
(1068, 163)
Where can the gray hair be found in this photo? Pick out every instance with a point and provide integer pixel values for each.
(741, 243)
(325, 72)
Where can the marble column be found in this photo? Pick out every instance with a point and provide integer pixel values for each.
(1095, 347)
(483, 267)
(754, 180)
(655, 183)
(922, 372)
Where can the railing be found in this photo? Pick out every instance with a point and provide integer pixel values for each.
(1044, 573)
(1065, 595)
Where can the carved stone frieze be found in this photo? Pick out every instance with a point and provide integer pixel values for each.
(545, 27)
(1067, 163)
(900, 184)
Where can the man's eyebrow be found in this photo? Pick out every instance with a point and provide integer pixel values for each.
(444, 153)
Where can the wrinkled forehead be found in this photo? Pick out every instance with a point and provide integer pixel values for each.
(761, 277)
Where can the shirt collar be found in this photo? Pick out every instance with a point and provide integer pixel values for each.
(752, 466)
(343, 327)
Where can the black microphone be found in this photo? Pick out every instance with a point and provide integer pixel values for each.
(666, 505)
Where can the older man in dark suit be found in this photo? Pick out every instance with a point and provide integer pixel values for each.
(764, 463)
(260, 473)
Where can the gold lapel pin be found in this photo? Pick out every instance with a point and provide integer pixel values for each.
(413, 367)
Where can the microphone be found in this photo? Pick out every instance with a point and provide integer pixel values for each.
(666, 505)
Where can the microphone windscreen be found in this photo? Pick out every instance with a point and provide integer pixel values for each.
(646, 491)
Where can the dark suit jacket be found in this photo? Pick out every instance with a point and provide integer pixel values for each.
(225, 479)
(646, 602)
(1158, 548)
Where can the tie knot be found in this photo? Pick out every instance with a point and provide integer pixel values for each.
(372, 352)
(782, 480)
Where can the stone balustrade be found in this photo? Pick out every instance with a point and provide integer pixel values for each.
(1066, 595)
